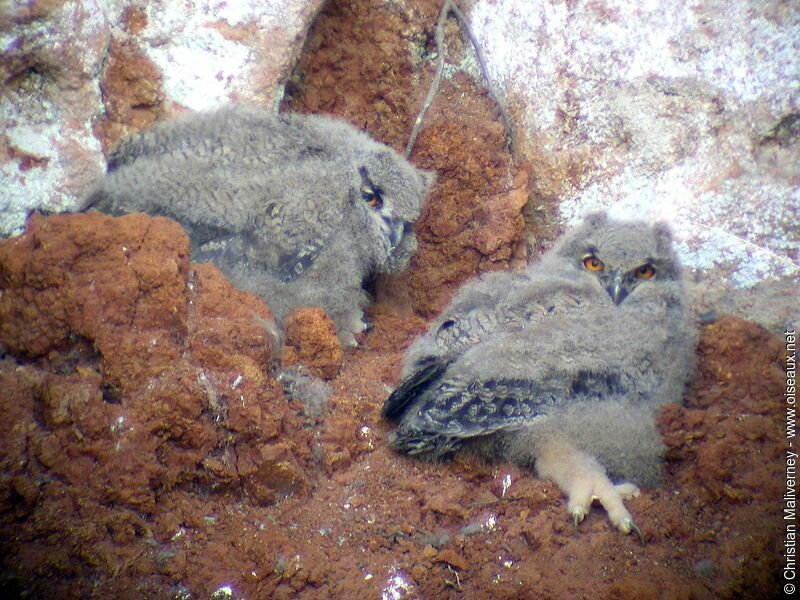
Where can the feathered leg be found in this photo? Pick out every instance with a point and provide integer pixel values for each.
(583, 480)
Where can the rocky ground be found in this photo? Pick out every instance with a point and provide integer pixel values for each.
(148, 452)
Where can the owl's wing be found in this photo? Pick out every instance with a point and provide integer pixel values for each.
(495, 304)
(208, 200)
(233, 249)
(500, 304)
(500, 384)
(291, 266)
(426, 374)
(242, 214)
(225, 136)
(457, 409)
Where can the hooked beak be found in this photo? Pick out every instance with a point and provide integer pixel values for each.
(616, 289)
(395, 230)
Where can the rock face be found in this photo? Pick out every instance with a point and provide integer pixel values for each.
(50, 57)
(77, 76)
(683, 111)
(147, 451)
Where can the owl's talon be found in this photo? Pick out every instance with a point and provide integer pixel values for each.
(578, 514)
(627, 525)
(350, 326)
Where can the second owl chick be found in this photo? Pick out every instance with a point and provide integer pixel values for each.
(299, 209)
(561, 366)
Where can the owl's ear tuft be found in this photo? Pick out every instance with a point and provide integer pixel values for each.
(663, 234)
(596, 219)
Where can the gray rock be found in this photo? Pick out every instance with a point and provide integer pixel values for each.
(679, 111)
(52, 57)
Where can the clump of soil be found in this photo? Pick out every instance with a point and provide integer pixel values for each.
(132, 94)
(311, 342)
(128, 374)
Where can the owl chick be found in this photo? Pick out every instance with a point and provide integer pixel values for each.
(561, 366)
(299, 209)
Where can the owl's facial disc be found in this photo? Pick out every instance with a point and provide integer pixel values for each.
(391, 229)
(618, 283)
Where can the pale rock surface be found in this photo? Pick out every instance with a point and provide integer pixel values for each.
(55, 92)
(50, 53)
(686, 111)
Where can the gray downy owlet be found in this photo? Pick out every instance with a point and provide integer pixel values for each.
(299, 209)
(562, 366)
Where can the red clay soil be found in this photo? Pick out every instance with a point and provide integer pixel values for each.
(148, 452)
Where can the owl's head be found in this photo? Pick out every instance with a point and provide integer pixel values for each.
(388, 195)
(626, 258)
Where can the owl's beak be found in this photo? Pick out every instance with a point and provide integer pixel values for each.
(616, 288)
(395, 230)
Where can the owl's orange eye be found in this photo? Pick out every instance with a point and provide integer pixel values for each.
(647, 271)
(593, 264)
(372, 197)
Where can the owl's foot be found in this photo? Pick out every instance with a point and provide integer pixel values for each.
(584, 480)
(354, 324)
(596, 486)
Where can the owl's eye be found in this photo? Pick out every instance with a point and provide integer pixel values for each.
(372, 197)
(647, 271)
(593, 264)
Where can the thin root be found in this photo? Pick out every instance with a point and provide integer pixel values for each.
(450, 7)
